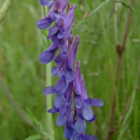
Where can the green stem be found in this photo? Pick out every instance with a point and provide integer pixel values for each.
(4, 9)
(49, 102)
(49, 120)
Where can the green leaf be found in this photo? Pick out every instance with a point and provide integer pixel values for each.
(125, 122)
(78, 10)
(125, 5)
(90, 4)
(34, 137)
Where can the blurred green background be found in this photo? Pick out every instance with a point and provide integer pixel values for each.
(21, 42)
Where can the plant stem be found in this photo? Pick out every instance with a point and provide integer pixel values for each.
(49, 102)
(15, 104)
(119, 50)
(4, 9)
(49, 120)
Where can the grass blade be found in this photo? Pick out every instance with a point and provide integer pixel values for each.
(124, 125)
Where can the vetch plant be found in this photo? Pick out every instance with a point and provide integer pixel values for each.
(70, 87)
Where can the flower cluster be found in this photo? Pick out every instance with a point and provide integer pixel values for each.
(70, 85)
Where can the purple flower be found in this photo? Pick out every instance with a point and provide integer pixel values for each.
(48, 55)
(44, 2)
(56, 13)
(60, 32)
(70, 85)
(77, 81)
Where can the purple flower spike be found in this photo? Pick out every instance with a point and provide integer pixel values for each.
(70, 85)
(44, 2)
(71, 58)
(77, 83)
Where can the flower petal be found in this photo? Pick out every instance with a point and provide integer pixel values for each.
(60, 58)
(61, 120)
(52, 47)
(54, 71)
(80, 126)
(44, 2)
(47, 56)
(72, 56)
(87, 113)
(52, 31)
(44, 23)
(59, 101)
(88, 137)
(83, 88)
(61, 84)
(77, 81)
(79, 102)
(94, 102)
(53, 110)
(49, 90)
(68, 94)
(93, 119)
(62, 109)
(68, 132)
(69, 75)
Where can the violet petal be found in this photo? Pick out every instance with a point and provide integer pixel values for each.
(69, 75)
(49, 90)
(60, 58)
(61, 120)
(77, 81)
(68, 132)
(87, 113)
(53, 110)
(47, 56)
(44, 23)
(44, 2)
(59, 101)
(72, 56)
(94, 102)
(61, 84)
(80, 126)
(79, 102)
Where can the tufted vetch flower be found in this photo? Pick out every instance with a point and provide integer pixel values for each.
(70, 88)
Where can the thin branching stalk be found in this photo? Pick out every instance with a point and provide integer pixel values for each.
(4, 9)
(15, 104)
(120, 50)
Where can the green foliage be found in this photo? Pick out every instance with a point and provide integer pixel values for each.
(21, 42)
(34, 137)
(125, 122)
